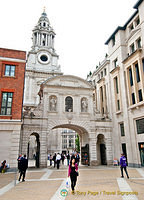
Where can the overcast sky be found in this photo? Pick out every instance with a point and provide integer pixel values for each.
(81, 26)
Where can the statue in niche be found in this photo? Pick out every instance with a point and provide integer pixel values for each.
(84, 105)
(53, 103)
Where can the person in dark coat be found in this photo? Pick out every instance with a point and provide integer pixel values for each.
(123, 165)
(68, 158)
(23, 167)
(54, 159)
(19, 163)
(62, 158)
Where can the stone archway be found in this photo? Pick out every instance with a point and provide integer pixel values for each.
(84, 138)
(101, 150)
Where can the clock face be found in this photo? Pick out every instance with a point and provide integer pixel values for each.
(43, 58)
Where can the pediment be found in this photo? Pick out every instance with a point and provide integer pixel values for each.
(68, 81)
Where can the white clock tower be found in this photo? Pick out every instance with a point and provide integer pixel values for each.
(42, 60)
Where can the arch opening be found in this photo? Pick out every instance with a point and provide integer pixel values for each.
(64, 136)
(101, 150)
(33, 150)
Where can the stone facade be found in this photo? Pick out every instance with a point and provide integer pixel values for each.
(119, 88)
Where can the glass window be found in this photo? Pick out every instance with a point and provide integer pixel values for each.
(113, 41)
(143, 64)
(131, 27)
(137, 21)
(9, 70)
(101, 91)
(140, 126)
(132, 48)
(131, 77)
(140, 95)
(133, 98)
(137, 72)
(102, 74)
(6, 105)
(118, 104)
(116, 85)
(116, 62)
(68, 104)
(122, 129)
(105, 72)
(139, 43)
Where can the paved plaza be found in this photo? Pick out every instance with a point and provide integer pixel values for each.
(101, 183)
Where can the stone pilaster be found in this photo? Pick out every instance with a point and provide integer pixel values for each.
(43, 149)
(109, 154)
(92, 150)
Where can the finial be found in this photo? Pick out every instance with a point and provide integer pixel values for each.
(44, 9)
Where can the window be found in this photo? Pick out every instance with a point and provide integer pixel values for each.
(116, 62)
(113, 41)
(68, 104)
(6, 105)
(140, 95)
(102, 74)
(9, 70)
(122, 129)
(132, 48)
(101, 91)
(105, 72)
(116, 84)
(137, 21)
(140, 126)
(137, 72)
(118, 104)
(133, 98)
(130, 76)
(131, 27)
(139, 43)
(143, 64)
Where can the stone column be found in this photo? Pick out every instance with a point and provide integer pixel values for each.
(43, 149)
(92, 150)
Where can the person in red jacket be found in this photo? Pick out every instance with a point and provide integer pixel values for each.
(73, 173)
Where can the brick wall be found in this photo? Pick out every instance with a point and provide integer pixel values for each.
(13, 84)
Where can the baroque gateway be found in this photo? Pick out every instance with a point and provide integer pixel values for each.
(63, 101)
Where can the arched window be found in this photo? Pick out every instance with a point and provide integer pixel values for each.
(68, 104)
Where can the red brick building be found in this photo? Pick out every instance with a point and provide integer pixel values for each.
(12, 74)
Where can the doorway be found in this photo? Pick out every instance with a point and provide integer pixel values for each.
(141, 150)
(101, 150)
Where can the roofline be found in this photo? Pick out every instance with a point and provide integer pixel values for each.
(13, 49)
(60, 76)
(124, 27)
(137, 4)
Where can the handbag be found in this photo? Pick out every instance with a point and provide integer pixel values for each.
(77, 173)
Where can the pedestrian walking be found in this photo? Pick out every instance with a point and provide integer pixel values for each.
(3, 167)
(19, 163)
(62, 158)
(54, 159)
(51, 158)
(86, 159)
(77, 158)
(73, 173)
(123, 165)
(58, 158)
(68, 158)
(23, 167)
